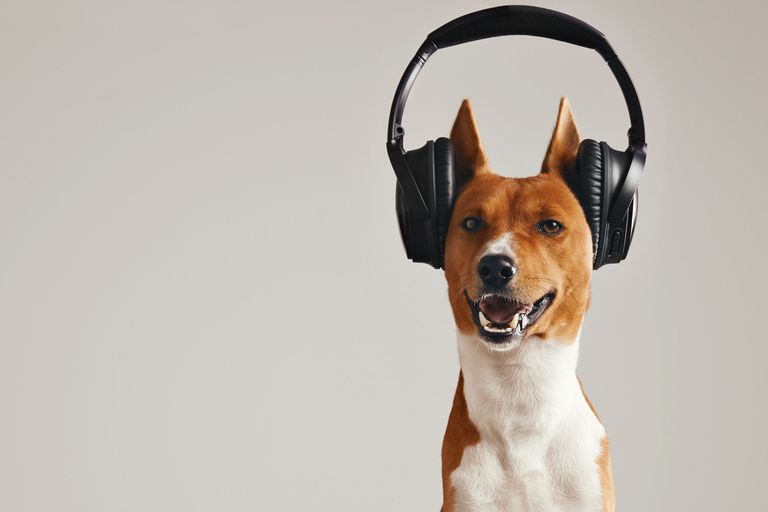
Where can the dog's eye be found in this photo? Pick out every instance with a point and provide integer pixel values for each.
(472, 224)
(550, 227)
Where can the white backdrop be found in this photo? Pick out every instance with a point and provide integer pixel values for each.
(204, 304)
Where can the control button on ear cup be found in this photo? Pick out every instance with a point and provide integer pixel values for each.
(587, 185)
(615, 241)
(445, 188)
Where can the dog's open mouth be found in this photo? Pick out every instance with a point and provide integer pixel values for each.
(500, 319)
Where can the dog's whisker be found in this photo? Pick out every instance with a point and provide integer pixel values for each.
(460, 290)
(567, 296)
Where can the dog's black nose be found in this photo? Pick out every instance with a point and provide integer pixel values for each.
(495, 270)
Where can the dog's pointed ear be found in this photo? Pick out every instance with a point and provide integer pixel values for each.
(467, 151)
(561, 153)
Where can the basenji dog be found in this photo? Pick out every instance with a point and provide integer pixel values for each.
(522, 435)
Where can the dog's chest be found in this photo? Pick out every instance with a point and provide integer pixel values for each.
(539, 440)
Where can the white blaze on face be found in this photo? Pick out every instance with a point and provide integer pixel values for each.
(501, 246)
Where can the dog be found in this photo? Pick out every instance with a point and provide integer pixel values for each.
(522, 435)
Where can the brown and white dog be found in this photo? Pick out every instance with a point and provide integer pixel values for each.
(522, 435)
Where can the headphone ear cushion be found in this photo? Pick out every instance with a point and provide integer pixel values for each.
(587, 184)
(444, 193)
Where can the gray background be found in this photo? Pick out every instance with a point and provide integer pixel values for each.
(204, 304)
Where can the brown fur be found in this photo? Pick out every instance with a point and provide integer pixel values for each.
(460, 434)
(561, 264)
(604, 463)
(606, 477)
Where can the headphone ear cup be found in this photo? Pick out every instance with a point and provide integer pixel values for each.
(445, 190)
(588, 185)
(618, 226)
(432, 168)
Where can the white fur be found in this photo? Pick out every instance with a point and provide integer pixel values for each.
(501, 245)
(539, 439)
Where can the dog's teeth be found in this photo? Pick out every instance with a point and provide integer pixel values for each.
(484, 321)
(515, 318)
(524, 321)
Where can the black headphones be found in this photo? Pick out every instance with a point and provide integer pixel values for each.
(605, 181)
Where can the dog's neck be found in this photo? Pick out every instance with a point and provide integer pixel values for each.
(530, 389)
(537, 438)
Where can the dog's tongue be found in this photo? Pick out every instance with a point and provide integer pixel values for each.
(499, 310)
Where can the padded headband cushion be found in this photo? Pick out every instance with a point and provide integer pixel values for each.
(444, 192)
(587, 185)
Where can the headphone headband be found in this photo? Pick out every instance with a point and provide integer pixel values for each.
(513, 20)
(509, 20)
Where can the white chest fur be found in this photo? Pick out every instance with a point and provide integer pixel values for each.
(539, 440)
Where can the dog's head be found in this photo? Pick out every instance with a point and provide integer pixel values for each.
(518, 257)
